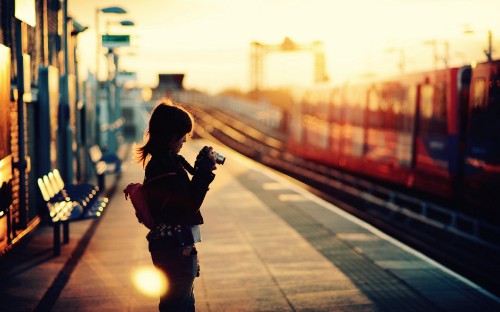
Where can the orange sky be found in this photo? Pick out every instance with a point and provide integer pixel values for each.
(209, 40)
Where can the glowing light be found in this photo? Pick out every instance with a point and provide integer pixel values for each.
(150, 281)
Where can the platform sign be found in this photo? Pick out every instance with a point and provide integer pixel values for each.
(115, 41)
(25, 11)
(124, 77)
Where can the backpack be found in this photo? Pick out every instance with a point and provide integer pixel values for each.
(139, 199)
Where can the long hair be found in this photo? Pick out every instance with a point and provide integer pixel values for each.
(169, 122)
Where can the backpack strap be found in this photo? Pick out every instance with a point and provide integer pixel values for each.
(158, 177)
(185, 164)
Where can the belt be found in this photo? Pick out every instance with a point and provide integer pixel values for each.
(189, 251)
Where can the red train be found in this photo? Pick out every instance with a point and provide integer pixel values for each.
(436, 132)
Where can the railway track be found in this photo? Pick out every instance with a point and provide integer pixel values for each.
(468, 246)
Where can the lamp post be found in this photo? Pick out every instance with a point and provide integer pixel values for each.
(445, 57)
(402, 58)
(489, 51)
(107, 10)
(113, 91)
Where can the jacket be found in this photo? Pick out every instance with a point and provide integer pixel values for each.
(175, 199)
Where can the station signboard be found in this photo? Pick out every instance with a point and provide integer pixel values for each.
(124, 77)
(115, 41)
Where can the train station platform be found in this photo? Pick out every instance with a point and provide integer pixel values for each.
(268, 245)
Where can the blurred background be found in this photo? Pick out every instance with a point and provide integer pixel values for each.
(210, 40)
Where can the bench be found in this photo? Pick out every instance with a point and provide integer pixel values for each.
(68, 203)
(104, 164)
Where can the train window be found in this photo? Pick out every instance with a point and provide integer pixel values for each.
(339, 107)
(306, 103)
(337, 98)
(373, 116)
(358, 105)
(397, 106)
(490, 120)
(408, 108)
(433, 109)
(480, 118)
(411, 100)
(398, 114)
(478, 97)
(439, 114)
(440, 100)
(494, 96)
(385, 102)
(373, 100)
(333, 111)
(426, 101)
(323, 103)
(386, 111)
(426, 108)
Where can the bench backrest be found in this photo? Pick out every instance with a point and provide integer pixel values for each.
(58, 210)
(95, 153)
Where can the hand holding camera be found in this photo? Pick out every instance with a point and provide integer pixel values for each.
(207, 159)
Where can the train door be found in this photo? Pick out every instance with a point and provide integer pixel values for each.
(353, 131)
(463, 91)
(482, 155)
(437, 140)
(406, 125)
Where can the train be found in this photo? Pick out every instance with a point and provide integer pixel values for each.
(434, 132)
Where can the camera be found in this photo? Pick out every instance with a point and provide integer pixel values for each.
(207, 151)
(218, 158)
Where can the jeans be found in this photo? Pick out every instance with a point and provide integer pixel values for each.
(180, 270)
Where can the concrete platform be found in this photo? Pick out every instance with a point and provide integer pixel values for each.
(268, 245)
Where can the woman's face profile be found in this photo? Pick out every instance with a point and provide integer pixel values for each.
(177, 145)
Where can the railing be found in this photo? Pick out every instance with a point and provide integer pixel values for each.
(260, 112)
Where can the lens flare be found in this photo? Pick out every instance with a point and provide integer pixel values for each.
(150, 281)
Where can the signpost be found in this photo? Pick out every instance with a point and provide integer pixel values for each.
(124, 77)
(111, 42)
(115, 41)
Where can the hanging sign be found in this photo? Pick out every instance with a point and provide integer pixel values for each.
(115, 41)
(126, 76)
(25, 11)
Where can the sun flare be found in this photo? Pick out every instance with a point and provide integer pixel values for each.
(149, 281)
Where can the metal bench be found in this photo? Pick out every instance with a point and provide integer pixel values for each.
(68, 203)
(104, 164)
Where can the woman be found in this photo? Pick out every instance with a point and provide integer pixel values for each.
(175, 201)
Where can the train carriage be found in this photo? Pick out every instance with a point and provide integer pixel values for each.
(437, 138)
(482, 151)
(436, 132)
